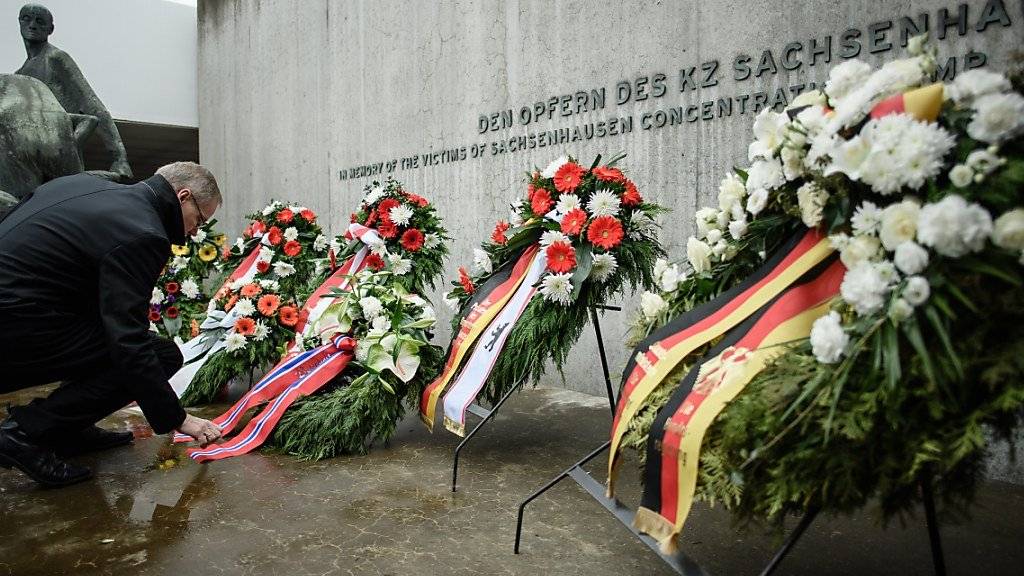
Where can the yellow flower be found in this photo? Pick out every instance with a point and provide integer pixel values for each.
(220, 239)
(179, 250)
(207, 253)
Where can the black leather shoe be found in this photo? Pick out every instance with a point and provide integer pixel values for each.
(39, 463)
(91, 439)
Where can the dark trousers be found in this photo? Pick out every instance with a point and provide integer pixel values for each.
(78, 355)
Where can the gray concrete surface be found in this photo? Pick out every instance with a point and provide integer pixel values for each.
(391, 512)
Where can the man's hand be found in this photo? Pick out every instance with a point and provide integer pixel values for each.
(203, 431)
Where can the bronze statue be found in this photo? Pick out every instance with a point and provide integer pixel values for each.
(58, 71)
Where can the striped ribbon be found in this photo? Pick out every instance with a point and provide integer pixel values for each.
(660, 352)
(670, 476)
(481, 361)
(488, 300)
(923, 103)
(315, 370)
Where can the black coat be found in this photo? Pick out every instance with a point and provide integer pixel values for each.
(85, 252)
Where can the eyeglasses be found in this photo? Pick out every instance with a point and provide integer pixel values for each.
(200, 210)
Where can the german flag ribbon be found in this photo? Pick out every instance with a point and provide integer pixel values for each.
(316, 370)
(923, 103)
(481, 361)
(659, 353)
(673, 449)
(487, 301)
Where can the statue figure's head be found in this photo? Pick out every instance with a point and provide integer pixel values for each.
(36, 23)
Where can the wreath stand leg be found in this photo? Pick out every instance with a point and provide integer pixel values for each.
(934, 540)
(486, 414)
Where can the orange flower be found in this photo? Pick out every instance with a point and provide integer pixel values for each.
(268, 304)
(561, 257)
(194, 329)
(573, 222)
(274, 236)
(631, 197)
(285, 216)
(608, 174)
(245, 326)
(465, 280)
(250, 290)
(288, 316)
(292, 248)
(308, 215)
(568, 177)
(541, 202)
(225, 252)
(498, 236)
(231, 303)
(605, 231)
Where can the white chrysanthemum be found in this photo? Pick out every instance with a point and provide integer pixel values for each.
(401, 215)
(699, 255)
(190, 289)
(845, 77)
(952, 227)
(824, 146)
(866, 219)
(199, 236)
(556, 288)
(738, 228)
(731, 191)
(283, 269)
(234, 341)
(261, 331)
(271, 285)
(757, 201)
(899, 223)
(266, 254)
(910, 258)
(320, 244)
(363, 351)
(237, 284)
(239, 244)
(917, 290)
(481, 262)
(641, 225)
(603, 266)
(381, 324)
(291, 233)
(431, 240)
(567, 203)
(765, 174)
(156, 297)
(371, 307)
(892, 78)
(974, 83)
(859, 249)
(400, 266)
(1008, 231)
(769, 131)
(373, 195)
(961, 176)
(179, 262)
(553, 167)
(997, 117)
(839, 241)
(828, 339)
(984, 161)
(651, 305)
(900, 310)
(603, 203)
(864, 287)
(811, 200)
(551, 236)
(245, 307)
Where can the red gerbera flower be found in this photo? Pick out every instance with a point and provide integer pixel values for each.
(171, 287)
(353, 218)
(274, 236)
(607, 174)
(498, 236)
(250, 290)
(245, 326)
(308, 215)
(268, 304)
(561, 257)
(231, 303)
(631, 197)
(605, 231)
(573, 222)
(171, 312)
(258, 227)
(225, 252)
(371, 219)
(384, 208)
(417, 199)
(292, 248)
(154, 316)
(568, 177)
(465, 280)
(412, 240)
(285, 216)
(375, 262)
(288, 316)
(387, 230)
(541, 202)
(262, 266)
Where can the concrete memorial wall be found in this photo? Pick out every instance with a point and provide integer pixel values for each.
(311, 101)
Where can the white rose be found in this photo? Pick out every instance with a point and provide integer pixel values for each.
(719, 248)
(1009, 230)
(769, 131)
(699, 255)
(828, 339)
(730, 192)
(859, 249)
(811, 199)
(899, 223)
(738, 228)
(660, 265)
(961, 176)
(481, 262)
(714, 236)
(757, 201)
(670, 278)
(917, 290)
(652, 305)
(910, 257)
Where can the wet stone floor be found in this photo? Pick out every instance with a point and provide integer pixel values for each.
(393, 512)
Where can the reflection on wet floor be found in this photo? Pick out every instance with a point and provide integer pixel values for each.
(150, 510)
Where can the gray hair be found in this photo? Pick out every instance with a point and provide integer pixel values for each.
(196, 178)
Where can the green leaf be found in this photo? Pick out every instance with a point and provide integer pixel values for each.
(584, 262)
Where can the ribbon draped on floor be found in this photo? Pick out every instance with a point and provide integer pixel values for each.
(299, 373)
(495, 307)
